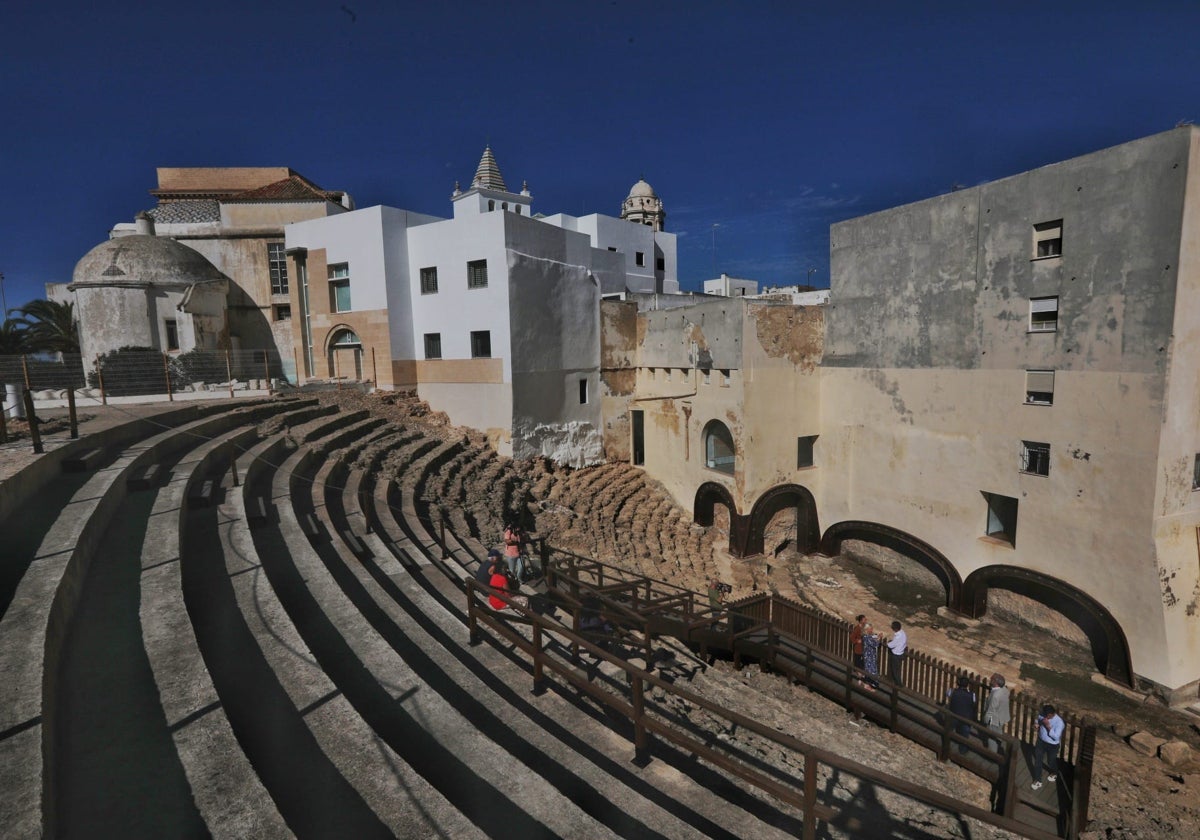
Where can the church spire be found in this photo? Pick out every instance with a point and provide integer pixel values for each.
(487, 175)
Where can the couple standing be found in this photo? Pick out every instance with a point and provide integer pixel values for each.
(866, 645)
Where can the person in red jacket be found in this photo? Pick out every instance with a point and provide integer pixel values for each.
(500, 583)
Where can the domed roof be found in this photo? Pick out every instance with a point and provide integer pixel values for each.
(143, 260)
(642, 190)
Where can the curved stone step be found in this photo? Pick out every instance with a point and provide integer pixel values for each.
(35, 624)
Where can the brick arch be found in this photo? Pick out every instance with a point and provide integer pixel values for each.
(1110, 649)
(708, 496)
(782, 497)
(904, 544)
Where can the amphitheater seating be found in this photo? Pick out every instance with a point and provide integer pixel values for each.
(189, 660)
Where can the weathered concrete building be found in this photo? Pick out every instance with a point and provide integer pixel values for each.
(1010, 378)
(1007, 394)
(719, 400)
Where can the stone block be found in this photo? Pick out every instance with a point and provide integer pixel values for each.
(1175, 753)
(1145, 743)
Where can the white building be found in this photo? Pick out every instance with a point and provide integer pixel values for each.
(727, 286)
(493, 315)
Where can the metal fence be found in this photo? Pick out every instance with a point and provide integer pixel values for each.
(138, 372)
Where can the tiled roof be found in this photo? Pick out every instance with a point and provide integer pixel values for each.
(293, 188)
(488, 174)
(186, 211)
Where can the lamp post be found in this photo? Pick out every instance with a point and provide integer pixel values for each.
(3, 299)
(811, 272)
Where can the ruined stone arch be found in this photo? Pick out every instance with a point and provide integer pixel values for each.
(1110, 649)
(782, 497)
(902, 543)
(708, 496)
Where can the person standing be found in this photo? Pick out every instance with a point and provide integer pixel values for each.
(870, 657)
(962, 702)
(856, 640)
(514, 542)
(897, 647)
(1049, 731)
(996, 713)
(716, 595)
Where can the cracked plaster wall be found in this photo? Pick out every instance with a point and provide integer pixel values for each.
(924, 381)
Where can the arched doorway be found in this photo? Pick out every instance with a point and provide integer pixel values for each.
(708, 496)
(902, 543)
(1109, 646)
(719, 451)
(345, 354)
(775, 500)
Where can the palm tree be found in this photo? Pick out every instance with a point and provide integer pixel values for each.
(12, 338)
(49, 326)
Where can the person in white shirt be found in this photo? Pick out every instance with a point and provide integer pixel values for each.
(1049, 730)
(897, 647)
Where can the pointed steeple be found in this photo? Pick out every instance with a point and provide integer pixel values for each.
(487, 175)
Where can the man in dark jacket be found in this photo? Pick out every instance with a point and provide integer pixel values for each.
(962, 702)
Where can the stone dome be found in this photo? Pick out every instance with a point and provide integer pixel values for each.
(143, 260)
(642, 190)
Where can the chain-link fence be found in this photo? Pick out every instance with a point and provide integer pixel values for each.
(136, 374)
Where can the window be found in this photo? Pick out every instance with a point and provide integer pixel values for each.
(1043, 314)
(433, 345)
(1001, 518)
(583, 391)
(477, 274)
(504, 205)
(171, 328)
(481, 344)
(277, 263)
(1047, 239)
(517, 207)
(283, 312)
(1196, 473)
(660, 264)
(491, 205)
(667, 374)
(804, 451)
(339, 287)
(429, 281)
(1039, 387)
(719, 453)
(1035, 458)
(611, 248)
(639, 258)
(725, 378)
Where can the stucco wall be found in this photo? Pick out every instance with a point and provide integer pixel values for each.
(928, 341)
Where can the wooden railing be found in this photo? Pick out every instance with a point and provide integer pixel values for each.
(649, 717)
(925, 675)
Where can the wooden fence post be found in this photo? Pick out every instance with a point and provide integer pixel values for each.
(25, 370)
(539, 678)
(100, 379)
(1081, 786)
(267, 372)
(810, 797)
(374, 368)
(71, 415)
(35, 434)
(229, 372)
(640, 740)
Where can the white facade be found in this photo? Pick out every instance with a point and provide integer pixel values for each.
(727, 286)
(517, 356)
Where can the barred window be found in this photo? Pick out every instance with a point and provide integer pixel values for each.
(277, 263)
(1035, 458)
(429, 281)
(433, 345)
(477, 274)
(481, 344)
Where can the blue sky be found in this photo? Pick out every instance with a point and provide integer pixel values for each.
(770, 120)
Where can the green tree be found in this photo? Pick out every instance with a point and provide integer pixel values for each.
(12, 338)
(49, 326)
